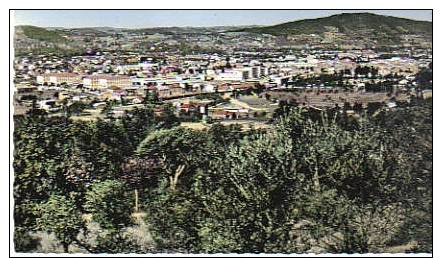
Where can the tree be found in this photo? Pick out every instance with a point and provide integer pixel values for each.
(225, 135)
(372, 107)
(167, 118)
(411, 130)
(255, 195)
(110, 204)
(424, 77)
(76, 108)
(77, 174)
(138, 123)
(41, 146)
(179, 151)
(249, 197)
(109, 139)
(312, 183)
(60, 216)
(141, 174)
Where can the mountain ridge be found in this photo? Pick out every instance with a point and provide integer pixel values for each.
(346, 22)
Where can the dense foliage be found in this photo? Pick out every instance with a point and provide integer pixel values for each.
(311, 183)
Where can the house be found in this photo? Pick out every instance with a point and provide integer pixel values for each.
(228, 111)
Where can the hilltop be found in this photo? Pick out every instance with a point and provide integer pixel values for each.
(347, 23)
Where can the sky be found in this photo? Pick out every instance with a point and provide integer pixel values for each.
(182, 18)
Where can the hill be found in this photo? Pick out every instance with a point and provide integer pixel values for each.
(41, 34)
(348, 23)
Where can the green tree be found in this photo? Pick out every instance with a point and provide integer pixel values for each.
(249, 197)
(110, 204)
(60, 216)
(41, 146)
(179, 151)
(76, 108)
(138, 123)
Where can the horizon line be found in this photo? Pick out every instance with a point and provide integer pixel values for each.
(210, 26)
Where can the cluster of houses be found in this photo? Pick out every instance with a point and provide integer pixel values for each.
(128, 78)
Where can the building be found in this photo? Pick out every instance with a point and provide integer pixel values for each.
(106, 81)
(228, 111)
(58, 78)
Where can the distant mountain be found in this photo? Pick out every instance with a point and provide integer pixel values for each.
(348, 23)
(346, 30)
(187, 29)
(40, 34)
(92, 31)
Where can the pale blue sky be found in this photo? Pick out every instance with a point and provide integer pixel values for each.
(196, 18)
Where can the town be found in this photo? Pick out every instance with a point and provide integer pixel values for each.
(306, 136)
(215, 84)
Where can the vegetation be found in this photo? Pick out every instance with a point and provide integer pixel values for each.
(42, 34)
(312, 183)
(353, 25)
(347, 23)
(53, 50)
(424, 77)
